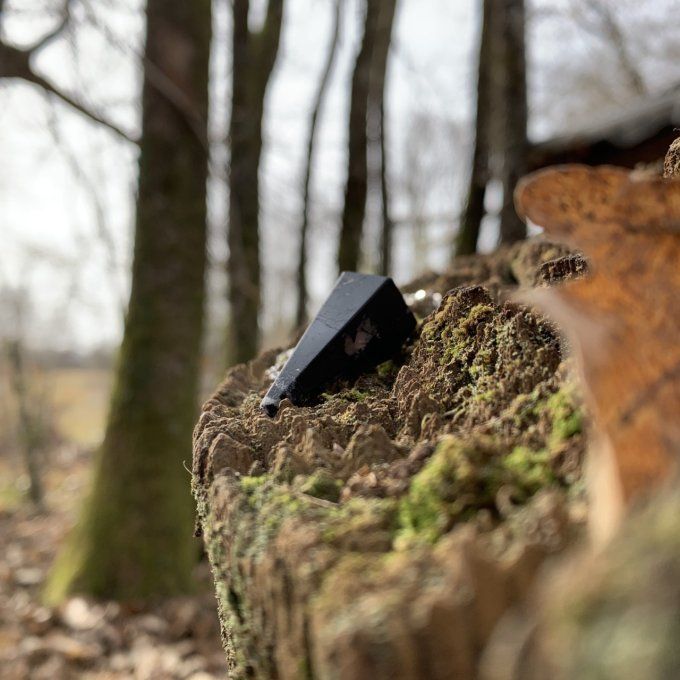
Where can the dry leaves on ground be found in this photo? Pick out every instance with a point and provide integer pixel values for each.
(177, 638)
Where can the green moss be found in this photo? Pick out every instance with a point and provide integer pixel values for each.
(249, 485)
(459, 338)
(361, 520)
(388, 369)
(352, 394)
(462, 478)
(530, 468)
(322, 485)
(566, 416)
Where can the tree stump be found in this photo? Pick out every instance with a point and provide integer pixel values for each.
(385, 532)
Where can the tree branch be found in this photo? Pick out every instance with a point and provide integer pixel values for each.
(16, 63)
(267, 41)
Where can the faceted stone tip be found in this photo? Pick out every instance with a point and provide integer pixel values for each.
(270, 405)
(364, 321)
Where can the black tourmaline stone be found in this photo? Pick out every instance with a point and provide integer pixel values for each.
(363, 322)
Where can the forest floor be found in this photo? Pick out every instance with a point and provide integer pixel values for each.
(176, 638)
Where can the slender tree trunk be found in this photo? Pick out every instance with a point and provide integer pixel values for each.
(254, 56)
(368, 85)
(356, 188)
(376, 116)
(387, 223)
(134, 538)
(301, 314)
(514, 142)
(473, 212)
(28, 431)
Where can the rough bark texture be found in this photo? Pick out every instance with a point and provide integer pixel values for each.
(384, 532)
(514, 144)
(134, 534)
(473, 212)
(301, 314)
(253, 59)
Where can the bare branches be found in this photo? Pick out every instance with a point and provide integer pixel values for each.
(156, 77)
(600, 20)
(614, 34)
(51, 89)
(15, 63)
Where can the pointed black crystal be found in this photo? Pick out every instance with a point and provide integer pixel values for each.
(363, 322)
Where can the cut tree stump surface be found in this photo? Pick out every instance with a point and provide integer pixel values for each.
(385, 532)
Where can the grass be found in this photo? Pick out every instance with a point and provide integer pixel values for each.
(80, 399)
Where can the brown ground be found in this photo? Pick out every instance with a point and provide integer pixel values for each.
(82, 639)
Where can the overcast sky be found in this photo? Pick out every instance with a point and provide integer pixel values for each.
(67, 188)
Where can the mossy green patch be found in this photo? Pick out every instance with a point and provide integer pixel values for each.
(321, 484)
(566, 416)
(463, 478)
(459, 338)
(387, 370)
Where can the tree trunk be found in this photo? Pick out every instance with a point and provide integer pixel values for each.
(29, 435)
(356, 188)
(134, 535)
(514, 144)
(376, 113)
(301, 314)
(387, 223)
(254, 56)
(473, 212)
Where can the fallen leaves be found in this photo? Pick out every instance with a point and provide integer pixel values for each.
(624, 318)
(176, 638)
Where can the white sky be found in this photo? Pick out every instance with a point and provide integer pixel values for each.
(56, 200)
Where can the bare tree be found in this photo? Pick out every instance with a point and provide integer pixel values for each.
(16, 63)
(473, 212)
(387, 227)
(28, 428)
(513, 143)
(377, 119)
(253, 59)
(319, 98)
(600, 20)
(133, 539)
(356, 188)
(501, 145)
(366, 96)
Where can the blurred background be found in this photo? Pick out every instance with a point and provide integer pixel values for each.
(258, 147)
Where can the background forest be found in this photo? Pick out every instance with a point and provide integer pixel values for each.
(181, 184)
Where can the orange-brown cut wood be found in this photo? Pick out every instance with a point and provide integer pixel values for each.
(624, 318)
